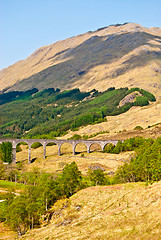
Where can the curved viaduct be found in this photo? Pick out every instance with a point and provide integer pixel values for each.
(59, 143)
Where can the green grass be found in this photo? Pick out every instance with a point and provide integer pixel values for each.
(8, 185)
(3, 196)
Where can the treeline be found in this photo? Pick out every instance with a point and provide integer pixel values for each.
(145, 166)
(16, 95)
(51, 113)
(127, 145)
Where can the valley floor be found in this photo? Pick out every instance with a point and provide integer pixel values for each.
(123, 211)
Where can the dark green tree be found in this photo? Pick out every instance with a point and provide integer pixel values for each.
(6, 152)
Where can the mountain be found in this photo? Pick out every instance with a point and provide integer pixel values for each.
(121, 55)
(117, 56)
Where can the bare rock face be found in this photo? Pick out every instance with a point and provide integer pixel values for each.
(130, 98)
(95, 167)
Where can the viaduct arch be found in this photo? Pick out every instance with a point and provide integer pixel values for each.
(59, 143)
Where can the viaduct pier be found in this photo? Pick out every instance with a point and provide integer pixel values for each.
(59, 143)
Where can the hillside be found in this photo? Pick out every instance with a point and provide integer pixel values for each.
(121, 55)
(125, 211)
(51, 113)
(122, 126)
(116, 211)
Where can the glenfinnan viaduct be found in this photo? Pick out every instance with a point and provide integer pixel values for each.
(59, 143)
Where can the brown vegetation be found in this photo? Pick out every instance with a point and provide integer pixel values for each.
(122, 126)
(126, 211)
(129, 58)
(6, 233)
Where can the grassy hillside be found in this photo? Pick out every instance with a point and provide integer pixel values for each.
(125, 211)
(123, 126)
(51, 113)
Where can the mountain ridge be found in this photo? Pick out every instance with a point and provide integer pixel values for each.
(91, 60)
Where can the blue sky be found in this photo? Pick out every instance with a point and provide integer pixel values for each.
(26, 25)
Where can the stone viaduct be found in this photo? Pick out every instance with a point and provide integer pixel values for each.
(59, 143)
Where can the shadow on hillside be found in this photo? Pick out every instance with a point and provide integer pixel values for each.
(97, 50)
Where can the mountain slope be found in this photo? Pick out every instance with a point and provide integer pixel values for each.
(125, 211)
(126, 55)
(51, 113)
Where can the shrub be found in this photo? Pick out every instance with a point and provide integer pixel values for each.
(51, 144)
(70, 181)
(127, 145)
(149, 95)
(138, 128)
(18, 148)
(118, 148)
(109, 148)
(97, 177)
(22, 143)
(76, 137)
(141, 101)
(85, 137)
(36, 145)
